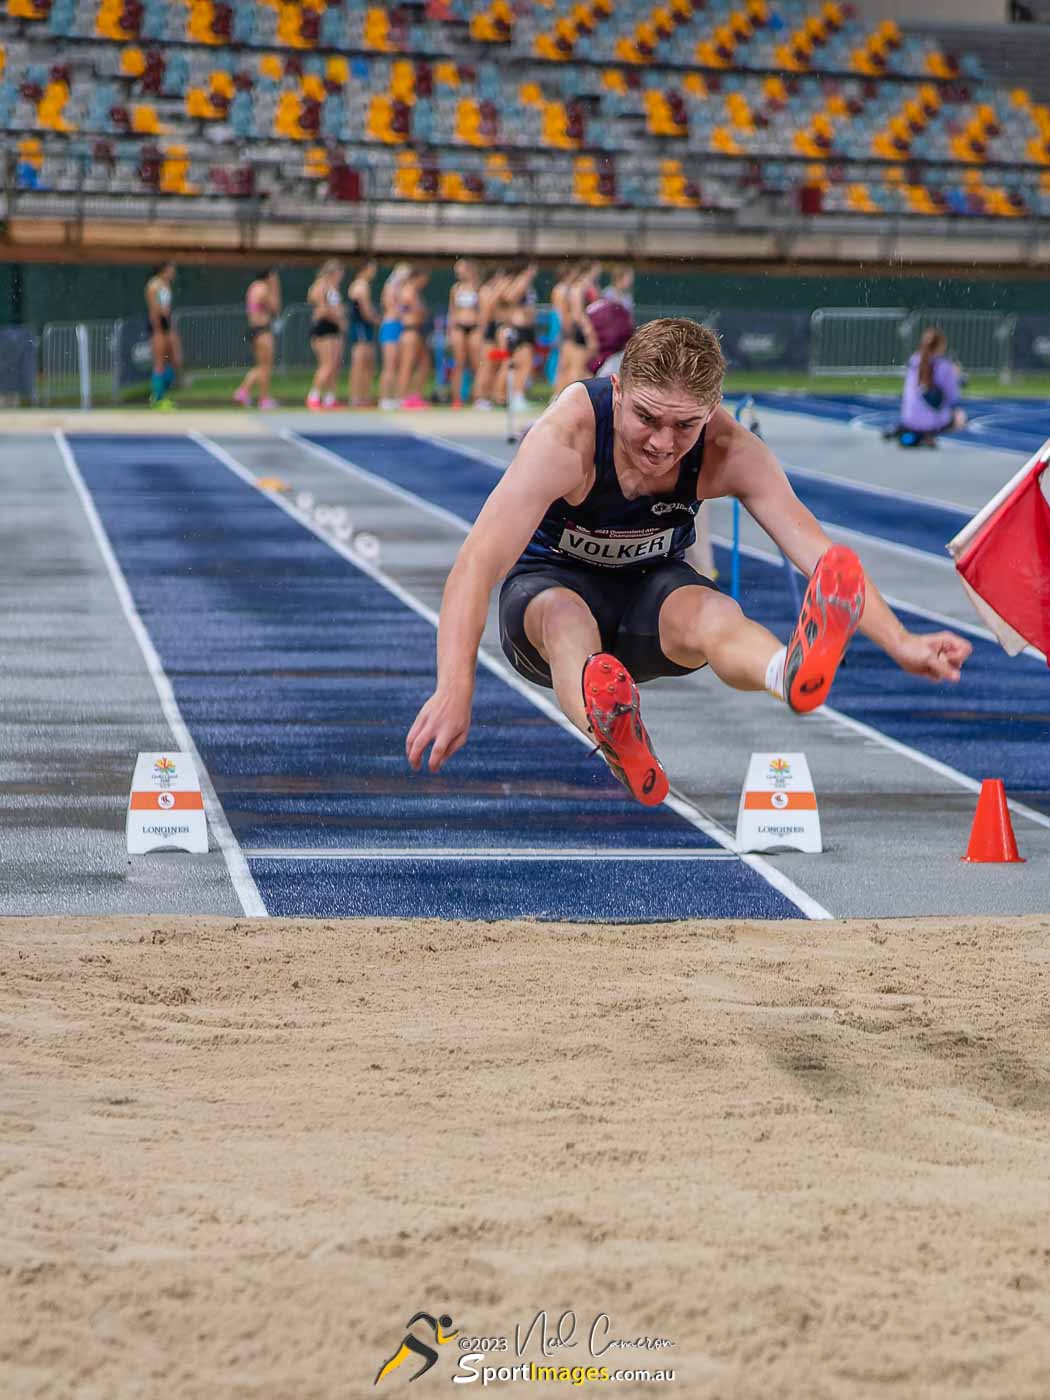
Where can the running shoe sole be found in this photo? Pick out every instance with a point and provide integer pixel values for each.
(610, 698)
(831, 613)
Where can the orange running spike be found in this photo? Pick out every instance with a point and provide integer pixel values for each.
(610, 698)
(831, 612)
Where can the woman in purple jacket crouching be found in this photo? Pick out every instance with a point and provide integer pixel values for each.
(932, 397)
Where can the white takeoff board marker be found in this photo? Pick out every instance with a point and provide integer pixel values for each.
(778, 806)
(166, 807)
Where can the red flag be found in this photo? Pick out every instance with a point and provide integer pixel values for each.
(1003, 558)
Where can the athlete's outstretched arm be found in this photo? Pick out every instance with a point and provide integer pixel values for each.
(762, 486)
(546, 466)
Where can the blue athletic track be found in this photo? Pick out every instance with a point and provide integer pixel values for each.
(298, 676)
(997, 720)
(1013, 424)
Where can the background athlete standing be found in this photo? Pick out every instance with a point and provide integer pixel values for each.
(588, 526)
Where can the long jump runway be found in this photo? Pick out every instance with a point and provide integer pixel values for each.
(297, 669)
(298, 674)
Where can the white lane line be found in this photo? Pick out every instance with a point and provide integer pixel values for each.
(686, 810)
(857, 424)
(893, 745)
(638, 853)
(240, 875)
(873, 489)
(351, 469)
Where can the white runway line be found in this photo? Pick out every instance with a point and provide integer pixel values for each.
(507, 853)
(691, 814)
(240, 875)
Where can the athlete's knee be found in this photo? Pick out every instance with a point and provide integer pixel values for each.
(553, 615)
(697, 621)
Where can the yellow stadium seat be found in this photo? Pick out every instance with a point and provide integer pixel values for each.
(316, 165)
(723, 141)
(468, 122)
(313, 87)
(858, 198)
(403, 81)
(337, 70)
(174, 172)
(221, 83)
(50, 109)
(270, 67)
(446, 75)
(132, 62)
(376, 30)
(145, 122)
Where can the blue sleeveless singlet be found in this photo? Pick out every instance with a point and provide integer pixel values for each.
(606, 529)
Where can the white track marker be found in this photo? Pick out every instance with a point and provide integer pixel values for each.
(462, 853)
(691, 814)
(240, 875)
(884, 740)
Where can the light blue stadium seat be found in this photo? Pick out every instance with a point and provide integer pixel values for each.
(332, 29)
(423, 120)
(61, 21)
(244, 18)
(242, 115)
(333, 114)
(176, 74)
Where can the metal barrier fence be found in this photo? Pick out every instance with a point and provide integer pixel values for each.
(865, 341)
(60, 376)
(214, 338)
(982, 341)
(293, 341)
(880, 340)
(79, 360)
(85, 361)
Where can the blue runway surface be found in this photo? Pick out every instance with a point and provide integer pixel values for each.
(298, 676)
(1012, 424)
(995, 722)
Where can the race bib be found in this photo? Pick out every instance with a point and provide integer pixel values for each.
(615, 549)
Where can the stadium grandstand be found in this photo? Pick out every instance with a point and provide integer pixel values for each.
(664, 117)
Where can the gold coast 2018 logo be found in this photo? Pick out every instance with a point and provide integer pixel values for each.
(411, 1346)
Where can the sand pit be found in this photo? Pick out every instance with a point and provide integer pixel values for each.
(236, 1157)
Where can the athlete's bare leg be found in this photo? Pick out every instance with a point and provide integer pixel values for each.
(698, 625)
(561, 627)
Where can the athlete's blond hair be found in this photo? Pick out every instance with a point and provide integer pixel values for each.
(675, 353)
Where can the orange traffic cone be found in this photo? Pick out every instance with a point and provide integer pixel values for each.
(992, 835)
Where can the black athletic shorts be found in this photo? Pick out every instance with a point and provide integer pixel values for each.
(521, 335)
(255, 331)
(324, 329)
(163, 325)
(625, 604)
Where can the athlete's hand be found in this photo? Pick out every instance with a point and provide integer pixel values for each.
(937, 655)
(444, 722)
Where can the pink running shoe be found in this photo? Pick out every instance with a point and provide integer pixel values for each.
(243, 397)
(313, 401)
(265, 404)
(413, 401)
